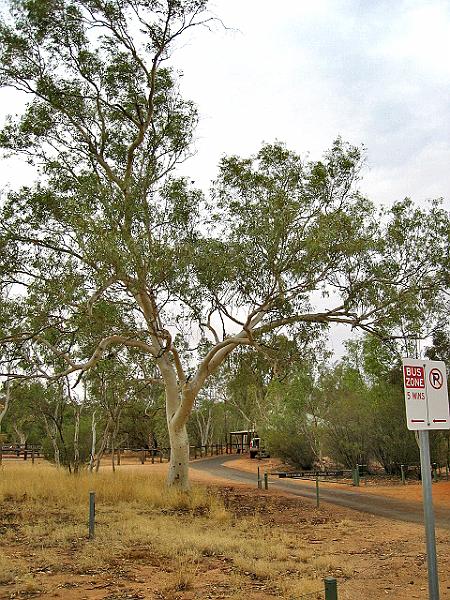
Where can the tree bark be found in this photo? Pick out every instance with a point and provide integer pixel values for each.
(204, 426)
(178, 475)
(93, 442)
(6, 405)
(102, 446)
(76, 445)
(21, 435)
(178, 410)
(113, 448)
(53, 434)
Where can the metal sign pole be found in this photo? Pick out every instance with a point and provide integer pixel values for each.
(427, 407)
(425, 462)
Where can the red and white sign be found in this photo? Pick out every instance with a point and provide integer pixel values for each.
(414, 376)
(426, 396)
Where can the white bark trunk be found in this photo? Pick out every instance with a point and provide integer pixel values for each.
(204, 426)
(102, 446)
(76, 437)
(93, 442)
(178, 410)
(6, 404)
(21, 435)
(179, 457)
(53, 435)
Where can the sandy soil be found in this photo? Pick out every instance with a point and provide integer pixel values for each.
(372, 558)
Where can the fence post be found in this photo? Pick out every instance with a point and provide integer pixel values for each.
(402, 468)
(91, 515)
(259, 480)
(266, 479)
(330, 588)
(317, 492)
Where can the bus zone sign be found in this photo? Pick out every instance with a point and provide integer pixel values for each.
(426, 394)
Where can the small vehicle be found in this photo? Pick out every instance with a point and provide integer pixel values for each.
(256, 450)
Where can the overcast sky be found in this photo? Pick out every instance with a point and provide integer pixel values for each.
(375, 72)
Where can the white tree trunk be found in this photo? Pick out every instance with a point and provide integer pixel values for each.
(53, 435)
(21, 435)
(76, 437)
(179, 457)
(102, 446)
(204, 426)
(93, 442)
(113, 448)
(6, 404)
(178, 410)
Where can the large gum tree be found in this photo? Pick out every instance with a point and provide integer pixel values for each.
(110, 254)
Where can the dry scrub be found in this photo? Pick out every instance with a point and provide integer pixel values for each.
(157, 544)
(140, 523)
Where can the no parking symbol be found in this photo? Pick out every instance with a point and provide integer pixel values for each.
(436, 378)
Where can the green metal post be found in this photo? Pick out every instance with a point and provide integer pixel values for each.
(317, 491)
(259, 480)
(330, 588)
(402, 467)
(91, 515)
(266, 480)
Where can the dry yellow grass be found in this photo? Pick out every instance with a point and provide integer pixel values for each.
(8, 571)
(31, 485)
(139, 520)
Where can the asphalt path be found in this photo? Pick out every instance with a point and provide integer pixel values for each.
(390, 508)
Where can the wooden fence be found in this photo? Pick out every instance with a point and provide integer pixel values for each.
(161, 454)
(20, 452)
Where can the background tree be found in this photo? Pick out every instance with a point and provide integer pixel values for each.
(391, 442)
(108, 243)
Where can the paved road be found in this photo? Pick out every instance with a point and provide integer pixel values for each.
(390, 508)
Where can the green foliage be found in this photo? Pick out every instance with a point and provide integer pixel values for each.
(348, 419)
(112, 252)
(392, 444)
(21, 422)
(289, 430)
